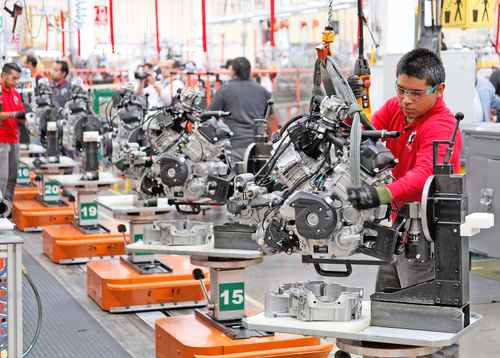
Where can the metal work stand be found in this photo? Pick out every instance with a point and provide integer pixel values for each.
(382, 350)
(11, 281)
(31, 150)
(86, 216)
(226, 307)
(49, 189)
(125, 207)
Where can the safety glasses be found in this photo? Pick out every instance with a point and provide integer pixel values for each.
(415, 94)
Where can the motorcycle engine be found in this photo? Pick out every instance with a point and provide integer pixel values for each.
(298, 202)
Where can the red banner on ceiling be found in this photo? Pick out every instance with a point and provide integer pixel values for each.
(101, 15)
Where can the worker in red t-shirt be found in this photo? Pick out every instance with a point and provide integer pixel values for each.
(11, 112)
(419, 113)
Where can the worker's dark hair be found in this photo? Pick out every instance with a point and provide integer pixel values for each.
(32, 60)
(64, 67)
(241, 67)
(227, 64)
(148, 65)
(422, 64)
(495, 81)
(176, 65)
(9, 67)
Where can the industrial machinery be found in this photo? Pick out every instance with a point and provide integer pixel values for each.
(48, 207)
(360, 79)
(181, 166)
(429, 231)
(77, 113)
(298, 203)
(85, 237)
(176, 153)
(428, 26)
(25, 187)
(315, 301)
(435, 229)
(186, 159)
(127, 115)
(295, 202)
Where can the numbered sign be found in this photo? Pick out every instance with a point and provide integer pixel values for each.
(140, 237)
(51, 191)
(88, 213)
(232, 296)
(23, 175)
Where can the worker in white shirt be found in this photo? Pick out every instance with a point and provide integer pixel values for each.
(161, 93)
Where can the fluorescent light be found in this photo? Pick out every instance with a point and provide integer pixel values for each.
(309, 11)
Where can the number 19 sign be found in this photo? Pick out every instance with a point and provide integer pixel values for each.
(88, 213)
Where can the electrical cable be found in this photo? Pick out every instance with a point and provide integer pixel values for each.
(38, 299)
(277, 153)
(354, 150)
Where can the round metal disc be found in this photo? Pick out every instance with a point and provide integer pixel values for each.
(249, 152)
(425, 206)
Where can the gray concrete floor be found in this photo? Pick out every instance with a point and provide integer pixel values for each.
(138, 338)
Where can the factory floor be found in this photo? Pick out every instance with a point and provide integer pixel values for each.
(131, 335)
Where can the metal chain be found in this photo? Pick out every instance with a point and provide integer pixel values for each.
(330, 12)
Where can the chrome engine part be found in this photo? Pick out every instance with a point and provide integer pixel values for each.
(189, 161)
(298, 201)
(75, 110)
(44, 111)
(315, 301)
(180, 233)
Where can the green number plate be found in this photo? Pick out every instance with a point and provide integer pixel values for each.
(232, 296)
(51, 189)
(88, 211)
(23, 173)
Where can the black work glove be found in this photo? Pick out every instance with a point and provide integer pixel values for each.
(19, 115)
(365, 197)
(357, 85)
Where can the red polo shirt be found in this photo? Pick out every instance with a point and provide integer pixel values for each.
(413, 148)
(11, 102)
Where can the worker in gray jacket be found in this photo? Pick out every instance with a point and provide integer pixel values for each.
(246, 100)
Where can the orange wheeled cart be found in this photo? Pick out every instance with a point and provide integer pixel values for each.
(121, 285)
(141, 282)
(47, 207)
(190, 336)
(83, 238)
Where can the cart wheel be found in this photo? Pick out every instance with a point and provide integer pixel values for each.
(342, 354)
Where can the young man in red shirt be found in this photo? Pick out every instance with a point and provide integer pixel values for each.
(12, 111)
(419, 113)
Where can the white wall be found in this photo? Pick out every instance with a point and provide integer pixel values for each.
(394, 23)
(460, 78)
